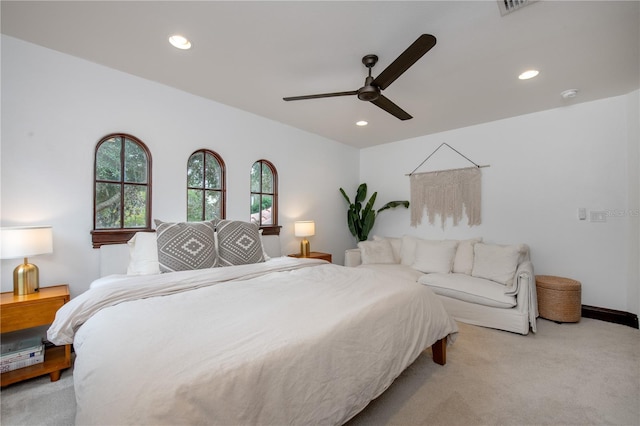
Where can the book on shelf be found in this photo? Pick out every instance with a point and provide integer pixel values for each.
(13, 347)
(4, 368)
(20, 351)
(19, 356)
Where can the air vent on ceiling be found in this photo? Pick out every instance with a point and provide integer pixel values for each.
(508, 6)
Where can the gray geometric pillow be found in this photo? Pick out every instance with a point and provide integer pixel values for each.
(185, 246)
(238, 243)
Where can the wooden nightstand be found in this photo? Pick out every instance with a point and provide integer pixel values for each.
(315, 255)
(34, 310)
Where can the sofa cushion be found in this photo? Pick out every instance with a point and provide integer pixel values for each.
(396, 245)
(463, 262)
(469, 289)
(497, 263)
(376, 252)
(434, 256)
(408, 250)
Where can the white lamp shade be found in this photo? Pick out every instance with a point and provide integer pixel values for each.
(304, 228)
(25, 241)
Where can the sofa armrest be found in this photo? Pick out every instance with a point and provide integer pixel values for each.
(527, 298)
(352, 257)
(524, 275)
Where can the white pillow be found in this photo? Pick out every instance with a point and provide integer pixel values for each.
(264, 252)
(408, 250)
(496, 263)
(143, 254)
(463, 262)
(396, 245)
(375, 252)
(434, 256)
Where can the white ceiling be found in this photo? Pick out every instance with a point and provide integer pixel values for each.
(251, 54)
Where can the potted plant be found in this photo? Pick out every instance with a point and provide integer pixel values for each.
(361, 220)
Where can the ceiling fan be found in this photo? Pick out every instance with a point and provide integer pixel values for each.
(371, 91)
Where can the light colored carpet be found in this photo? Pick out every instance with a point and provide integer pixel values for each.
(39, 401)
(586, 373)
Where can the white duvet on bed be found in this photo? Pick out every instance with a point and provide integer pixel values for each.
(310, 345)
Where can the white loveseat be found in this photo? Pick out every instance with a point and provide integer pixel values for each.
(483, 284)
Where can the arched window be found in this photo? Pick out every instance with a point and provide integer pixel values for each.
(122, 189)
(264, 194)
(206, 192)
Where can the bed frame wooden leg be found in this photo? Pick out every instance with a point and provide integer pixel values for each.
(439, 350)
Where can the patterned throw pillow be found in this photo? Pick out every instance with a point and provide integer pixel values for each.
(238, 243)
(184, 246)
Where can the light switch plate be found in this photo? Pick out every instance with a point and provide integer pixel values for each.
(582, 213)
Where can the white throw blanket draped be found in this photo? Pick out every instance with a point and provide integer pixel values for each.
(124, 288)
(446, 193)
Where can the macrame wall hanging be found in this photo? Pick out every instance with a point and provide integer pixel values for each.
(447, 193)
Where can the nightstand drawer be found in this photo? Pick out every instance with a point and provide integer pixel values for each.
(27, 315)
(31, 310)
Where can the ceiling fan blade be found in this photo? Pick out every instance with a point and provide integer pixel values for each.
(422, 45)
(322, 95)
(393, 109)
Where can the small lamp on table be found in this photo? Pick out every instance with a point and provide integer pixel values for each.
(24, 242)
(305, 228)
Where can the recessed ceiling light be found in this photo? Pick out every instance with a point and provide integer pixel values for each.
(528, 74)
(180, 42)
(361, 123)
(568, 94)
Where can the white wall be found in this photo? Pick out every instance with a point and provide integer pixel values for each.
(544, 166)
(56, 107)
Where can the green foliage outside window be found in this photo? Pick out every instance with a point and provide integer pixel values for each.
(262, 193)
(260, 203)
(121, 187)
(204, 187)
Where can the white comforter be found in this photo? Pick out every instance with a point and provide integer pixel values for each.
(313, 343)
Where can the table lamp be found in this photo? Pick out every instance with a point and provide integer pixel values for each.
(304, 228)
(23, 242)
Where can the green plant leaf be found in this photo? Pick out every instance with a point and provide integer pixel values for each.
(394, 204)
(367, 224)
(361, 194)
(344, 194)
(369, 206)
(351, 222)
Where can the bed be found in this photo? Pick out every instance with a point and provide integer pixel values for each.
(281, 341)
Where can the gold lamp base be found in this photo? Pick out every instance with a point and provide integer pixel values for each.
(26, 279)
(304, 248)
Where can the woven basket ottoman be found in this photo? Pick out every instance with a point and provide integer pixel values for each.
(559, 299)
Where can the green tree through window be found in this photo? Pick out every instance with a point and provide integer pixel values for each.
(206, 191)
(264, 194)
(122, 191)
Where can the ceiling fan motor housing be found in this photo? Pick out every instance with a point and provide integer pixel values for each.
(368, 92)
